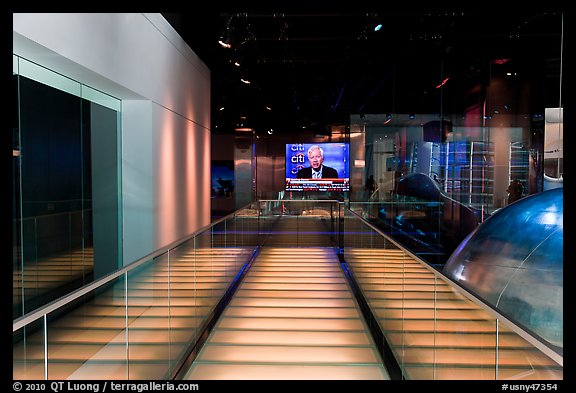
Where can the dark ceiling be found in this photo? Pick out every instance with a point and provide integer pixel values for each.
(311, 68)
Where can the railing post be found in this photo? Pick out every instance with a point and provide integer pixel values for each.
(126, 319)
(45, 347)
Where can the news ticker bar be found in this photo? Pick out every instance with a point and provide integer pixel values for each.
(317, 184)
(317, 181)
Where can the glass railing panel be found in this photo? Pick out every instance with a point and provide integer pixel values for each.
(206, 273)
(269, 212)
(202, 270)
(416, 223)
(434, 330)
(246, 227)
(56, 258)
(377, 267)
(87, 337)
(137, 324)
(184, 311)
(29, 352)
(299, 223)
(222, 258)
(411, 312)
(149, 302)
(519, 359)
(451, 337)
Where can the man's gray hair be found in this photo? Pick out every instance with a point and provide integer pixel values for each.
(316, 147)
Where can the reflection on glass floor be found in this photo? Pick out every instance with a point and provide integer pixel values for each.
(293, 317)
(434, 331)
(45, 276)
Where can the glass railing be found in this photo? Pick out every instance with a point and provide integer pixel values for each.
(143, 321)
(414, 223)
(303, 223)
(432, 327)
(139, 322)
(52, 255)
(430, 228)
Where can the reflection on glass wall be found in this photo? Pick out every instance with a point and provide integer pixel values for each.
(66, 186)
(480, 115)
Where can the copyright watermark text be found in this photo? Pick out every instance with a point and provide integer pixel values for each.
(104, 386)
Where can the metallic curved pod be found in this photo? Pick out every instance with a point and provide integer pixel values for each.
(514, 261)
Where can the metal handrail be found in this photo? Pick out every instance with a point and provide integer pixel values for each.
(535, 341)
(60, 302)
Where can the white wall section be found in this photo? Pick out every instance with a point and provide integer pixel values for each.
(165, 93)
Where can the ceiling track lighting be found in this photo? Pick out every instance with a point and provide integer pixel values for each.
(224, 43)
(225, 39)
(443, 83)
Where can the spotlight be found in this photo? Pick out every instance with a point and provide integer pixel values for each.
(224, 43)
(270, 131)
(225, 39)
(378, 27)
(412, 116)
(236, 58)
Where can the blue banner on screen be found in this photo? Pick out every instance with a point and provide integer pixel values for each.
(317, 167)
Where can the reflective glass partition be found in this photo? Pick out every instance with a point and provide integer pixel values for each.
(299, 222)
(474, 105)
(433, 328)
(66, 185)
(139, 322)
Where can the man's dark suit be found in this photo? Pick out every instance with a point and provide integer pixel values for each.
(327, 173)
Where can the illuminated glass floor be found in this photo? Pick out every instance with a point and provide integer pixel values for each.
(293, 317)
(436, 332)
(166, 305)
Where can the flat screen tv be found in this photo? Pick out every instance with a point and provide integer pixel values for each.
(317, 167)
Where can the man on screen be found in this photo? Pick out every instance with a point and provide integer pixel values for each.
(316, 170)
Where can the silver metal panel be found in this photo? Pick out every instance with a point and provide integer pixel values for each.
(514, 261)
